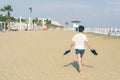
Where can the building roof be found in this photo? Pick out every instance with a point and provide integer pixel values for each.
(75, 21)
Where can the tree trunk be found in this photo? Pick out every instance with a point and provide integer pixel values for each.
(8, 21)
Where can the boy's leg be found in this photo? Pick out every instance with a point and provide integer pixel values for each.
(79, 57)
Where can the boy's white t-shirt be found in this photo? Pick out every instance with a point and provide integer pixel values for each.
(79, 40)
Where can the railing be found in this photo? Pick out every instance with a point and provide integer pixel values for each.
(111, 31)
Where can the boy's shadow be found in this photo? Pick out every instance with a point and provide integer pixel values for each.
(75, 65)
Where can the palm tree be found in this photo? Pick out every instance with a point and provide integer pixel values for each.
(9, 9)
(48, 23)
(37, 21)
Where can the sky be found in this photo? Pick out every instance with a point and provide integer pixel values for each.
(91, 13)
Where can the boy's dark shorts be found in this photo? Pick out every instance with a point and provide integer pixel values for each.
(80, 51)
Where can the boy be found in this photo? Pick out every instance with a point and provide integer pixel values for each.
(78, 42)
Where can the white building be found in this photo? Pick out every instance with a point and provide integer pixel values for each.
(75, 24)
(52, 21)
(55, 23)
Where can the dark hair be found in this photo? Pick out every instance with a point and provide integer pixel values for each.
(81, 28)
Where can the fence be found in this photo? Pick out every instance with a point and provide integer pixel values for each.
(111, 31)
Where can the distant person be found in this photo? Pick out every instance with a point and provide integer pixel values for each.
(78, 42)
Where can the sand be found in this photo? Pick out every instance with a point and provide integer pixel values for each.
(38, 55)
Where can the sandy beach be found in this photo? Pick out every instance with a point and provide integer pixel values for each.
(38, 55)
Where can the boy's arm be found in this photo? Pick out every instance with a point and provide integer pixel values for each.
(71, 45)
(88, 45)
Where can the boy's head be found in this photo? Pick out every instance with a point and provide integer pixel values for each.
(81, 28)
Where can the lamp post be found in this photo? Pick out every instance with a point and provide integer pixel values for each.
(30, 19)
